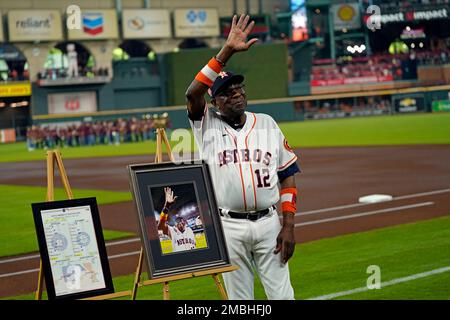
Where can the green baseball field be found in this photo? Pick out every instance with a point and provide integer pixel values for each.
(407, 243)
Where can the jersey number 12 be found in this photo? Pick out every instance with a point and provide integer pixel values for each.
(263, 181)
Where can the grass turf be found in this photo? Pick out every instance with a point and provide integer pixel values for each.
(16, 217)
(382, 130)
(339, 264)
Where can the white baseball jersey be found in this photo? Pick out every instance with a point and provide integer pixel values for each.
(182, 241)
(243, 164)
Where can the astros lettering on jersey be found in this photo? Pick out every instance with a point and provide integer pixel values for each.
(182, 240)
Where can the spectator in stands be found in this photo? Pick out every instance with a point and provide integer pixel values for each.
(13, 75)
(31, 138)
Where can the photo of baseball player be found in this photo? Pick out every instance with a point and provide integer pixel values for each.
(180, 227)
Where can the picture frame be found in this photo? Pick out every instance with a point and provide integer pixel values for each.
(171, 251)
(73, 251)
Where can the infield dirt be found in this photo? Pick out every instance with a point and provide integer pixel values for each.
(330, 178)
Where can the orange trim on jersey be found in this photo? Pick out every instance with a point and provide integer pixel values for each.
(240, 169)
(287, 163)
(251, 167)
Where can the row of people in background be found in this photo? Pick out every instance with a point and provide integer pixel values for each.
(95, 133)
(14, 75)
(369, 103)
(54, 74)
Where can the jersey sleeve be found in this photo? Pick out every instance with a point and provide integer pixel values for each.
(193, 237)
(200, 125)
(286, 156)
(170, 232)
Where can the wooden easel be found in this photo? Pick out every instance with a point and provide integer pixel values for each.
(160, 138)
(51, 157)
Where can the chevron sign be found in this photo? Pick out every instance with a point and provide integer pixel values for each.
(93, 23)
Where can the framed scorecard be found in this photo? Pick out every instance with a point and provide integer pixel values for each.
(72, 248)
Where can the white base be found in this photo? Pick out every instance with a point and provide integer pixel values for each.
(374, 198)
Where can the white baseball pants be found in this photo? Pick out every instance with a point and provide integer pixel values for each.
(250, 246)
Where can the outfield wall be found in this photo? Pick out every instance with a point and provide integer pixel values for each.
(281, 109)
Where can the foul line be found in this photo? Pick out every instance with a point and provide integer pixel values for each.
(422, 194)
(356, 215)
(297, 214)
(383, 284)
(36, 270)
(18, 273)
(108, 244)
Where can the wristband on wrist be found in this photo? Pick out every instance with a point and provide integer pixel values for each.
(163, 217)
(289, 200)
(219, 61)
(210, 72)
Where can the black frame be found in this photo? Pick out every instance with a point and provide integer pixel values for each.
(145, 176)
(43, 248)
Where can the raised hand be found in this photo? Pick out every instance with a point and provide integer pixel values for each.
(170, 199)
(240, 29)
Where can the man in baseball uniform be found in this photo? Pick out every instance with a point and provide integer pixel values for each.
(181, 234)
(252, 168)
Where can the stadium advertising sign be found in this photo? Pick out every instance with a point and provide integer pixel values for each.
(9, 52)
(196, 23)
(299, 20)
(2, 37)
(146, 24)
(72, 248)
(72, 103)
(96, 24)
(409, 104)
(34, 25)
(411, 16)
(7, 135)
(15, 90)
(346, 16)
(441, 105)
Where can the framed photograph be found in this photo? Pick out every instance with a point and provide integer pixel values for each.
(73, 252)
(180, 226)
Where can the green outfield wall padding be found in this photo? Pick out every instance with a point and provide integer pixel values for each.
(279, 111)
(264, 67)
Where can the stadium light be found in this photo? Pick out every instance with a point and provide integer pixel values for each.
(356, 48)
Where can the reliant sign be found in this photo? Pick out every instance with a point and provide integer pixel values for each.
(34, 25)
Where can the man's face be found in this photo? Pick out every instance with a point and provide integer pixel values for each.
(181, 224)
(231, 101)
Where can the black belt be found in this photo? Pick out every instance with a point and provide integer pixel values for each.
(253, 216)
